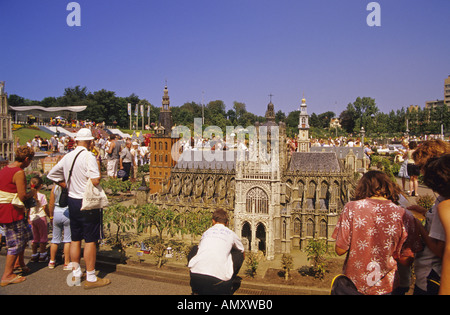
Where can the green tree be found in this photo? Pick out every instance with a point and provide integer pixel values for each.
(195, 223)
(121, 217)
(348, 118)
(164, 220)
(364, 108)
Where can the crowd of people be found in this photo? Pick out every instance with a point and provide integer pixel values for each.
(24, 215)
(121, 156)
(379, 231)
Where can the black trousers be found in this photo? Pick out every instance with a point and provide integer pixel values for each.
(127, 169)
(208, 285)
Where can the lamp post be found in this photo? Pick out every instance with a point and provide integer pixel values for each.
(363, 132)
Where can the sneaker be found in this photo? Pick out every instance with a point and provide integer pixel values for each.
(97, 284)
(51, 265)
(43, 257)
(68, 267)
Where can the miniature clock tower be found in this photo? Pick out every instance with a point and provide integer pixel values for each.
(303, 128)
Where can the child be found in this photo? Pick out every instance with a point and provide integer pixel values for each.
(437, 177)
(38, 219)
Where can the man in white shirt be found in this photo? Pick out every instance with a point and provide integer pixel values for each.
(85, 225)
(213, 267)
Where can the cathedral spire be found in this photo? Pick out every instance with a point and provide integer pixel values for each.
(166, 99)
(270, 113)
(165, 114)
(303, 128)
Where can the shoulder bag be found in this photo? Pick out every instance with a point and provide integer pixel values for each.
(64, 198)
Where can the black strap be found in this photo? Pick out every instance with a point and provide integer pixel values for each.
(71, 168)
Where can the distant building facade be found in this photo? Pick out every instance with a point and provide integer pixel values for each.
(447, 91)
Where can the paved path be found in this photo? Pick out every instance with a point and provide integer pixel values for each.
(44, 281)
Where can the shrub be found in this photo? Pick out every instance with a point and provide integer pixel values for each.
(426, 201)
(315, 251)
(287, 264)
(252, 262)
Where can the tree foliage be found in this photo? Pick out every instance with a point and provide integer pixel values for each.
(104, 105)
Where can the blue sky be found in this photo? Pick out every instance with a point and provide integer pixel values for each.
(232, 50)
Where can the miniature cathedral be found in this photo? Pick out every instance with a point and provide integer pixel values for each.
(277, 202)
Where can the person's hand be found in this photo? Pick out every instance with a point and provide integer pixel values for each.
(417, 208)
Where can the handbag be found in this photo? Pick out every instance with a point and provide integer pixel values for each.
(121, 174)
(64, 197)
(94, 197)
(343, 285)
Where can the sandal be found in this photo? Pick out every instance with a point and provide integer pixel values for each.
(22, 269)
(17, 279)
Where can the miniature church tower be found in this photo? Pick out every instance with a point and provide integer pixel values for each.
(303, 128)
(6, 135)
(165, 115)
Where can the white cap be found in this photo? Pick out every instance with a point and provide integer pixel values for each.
(84, 134)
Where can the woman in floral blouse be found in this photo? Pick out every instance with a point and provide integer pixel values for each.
(373, 231)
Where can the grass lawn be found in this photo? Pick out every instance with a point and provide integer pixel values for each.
(25, 134)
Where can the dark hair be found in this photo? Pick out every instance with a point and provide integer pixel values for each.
(36, 181)
(412, 145)
(437, 175)
(377, 184)
(220, 216)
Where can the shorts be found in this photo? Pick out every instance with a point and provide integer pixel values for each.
(40, 230)
(85, 225)
(61, 226)
(413, 170)
(17, 235)
(111, 167)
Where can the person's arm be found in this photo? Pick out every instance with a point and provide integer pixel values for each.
(56, 174)
(120, 163)
(444, 215)
(95, 181)
(93, 170)
(51, 204)
(339, 251)
(111, 147)
(436, 246)
(20, 181)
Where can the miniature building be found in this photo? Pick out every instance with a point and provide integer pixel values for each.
(6, 135)
(160, 145)
(276, 202)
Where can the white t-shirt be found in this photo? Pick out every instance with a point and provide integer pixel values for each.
(38, 211)
(85, 167)
(213, 257)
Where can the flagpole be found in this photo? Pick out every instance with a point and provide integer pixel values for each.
(129, 112)
(143, 114)
(148, 114)
(137, 116)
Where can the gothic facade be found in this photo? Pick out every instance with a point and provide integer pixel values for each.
(277, 201)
